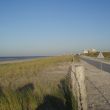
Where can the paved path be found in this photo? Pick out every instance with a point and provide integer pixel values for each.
(98, 87)
(99, 64)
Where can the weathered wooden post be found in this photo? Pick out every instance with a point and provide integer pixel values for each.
(78, 86)
(81, 88)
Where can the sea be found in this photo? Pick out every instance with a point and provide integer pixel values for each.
(20, 58)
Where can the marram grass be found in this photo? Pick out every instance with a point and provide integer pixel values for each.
(16, 75)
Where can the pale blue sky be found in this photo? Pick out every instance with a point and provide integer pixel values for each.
(47, 27)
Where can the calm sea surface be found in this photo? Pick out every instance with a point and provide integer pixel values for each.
(19, 58)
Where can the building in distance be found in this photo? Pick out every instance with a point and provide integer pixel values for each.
(89, 51)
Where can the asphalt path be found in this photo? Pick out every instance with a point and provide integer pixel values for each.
(99, 64)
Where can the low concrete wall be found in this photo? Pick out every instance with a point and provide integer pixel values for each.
(77, 80)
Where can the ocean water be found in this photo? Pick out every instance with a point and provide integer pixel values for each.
(19, 58)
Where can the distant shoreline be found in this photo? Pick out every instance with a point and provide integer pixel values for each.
(5, 60)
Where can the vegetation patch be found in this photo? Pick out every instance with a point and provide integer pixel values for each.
(22, 88)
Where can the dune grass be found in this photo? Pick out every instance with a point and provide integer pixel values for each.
(10, 73)
(22, 90)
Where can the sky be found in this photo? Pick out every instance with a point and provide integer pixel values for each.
(50, 27)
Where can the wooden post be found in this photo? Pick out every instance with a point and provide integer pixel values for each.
(78, 86)
(81, 92)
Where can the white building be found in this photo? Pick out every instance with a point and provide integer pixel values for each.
(85, 51)
(92, 50)
(89, 51)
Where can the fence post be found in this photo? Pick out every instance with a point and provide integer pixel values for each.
(78, 86)
(81, 92)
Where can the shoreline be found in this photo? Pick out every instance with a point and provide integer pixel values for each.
(20, 60)
(15, 61)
